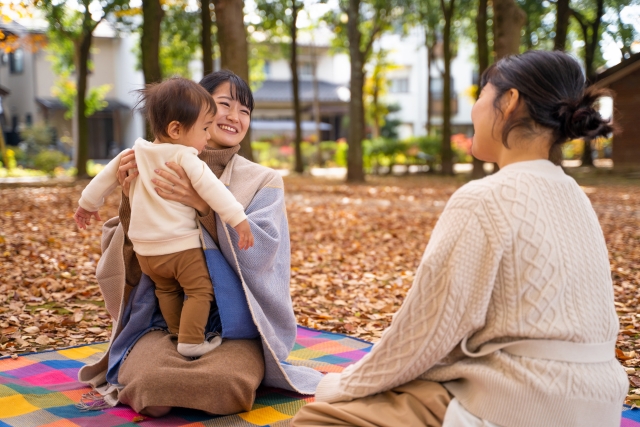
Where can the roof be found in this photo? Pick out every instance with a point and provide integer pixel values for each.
(282, 91)
(13, 28)
(619, 71)
(287, 125)
(55, 104)
(4, 91)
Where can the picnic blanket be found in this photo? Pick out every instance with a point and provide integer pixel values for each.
(41, 389)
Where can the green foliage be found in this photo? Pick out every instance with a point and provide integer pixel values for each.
(540, 25)
(35, 139)
(49, 160)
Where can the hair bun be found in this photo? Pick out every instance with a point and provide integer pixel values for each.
(579, 118)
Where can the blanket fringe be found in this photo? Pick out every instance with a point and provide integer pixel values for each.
(92, 401)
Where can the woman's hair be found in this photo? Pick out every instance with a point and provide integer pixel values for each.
(555, 93)
(175, 99)
(240, 90)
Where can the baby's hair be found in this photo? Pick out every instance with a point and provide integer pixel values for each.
(555, 93)
(175, 99)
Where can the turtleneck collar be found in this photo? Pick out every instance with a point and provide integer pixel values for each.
(218, 159)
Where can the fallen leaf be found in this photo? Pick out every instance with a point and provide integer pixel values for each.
(42, 340)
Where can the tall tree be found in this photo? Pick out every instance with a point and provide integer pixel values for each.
(77, 24)
(483, 64)
(590, 21)
(508, 20)
(234, 48)
(152, 15)
(358, 25)
(205, 35)
(563, 12)
(284, 13)
(446, 153)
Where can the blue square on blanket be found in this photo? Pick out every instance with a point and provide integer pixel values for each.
(333, 360)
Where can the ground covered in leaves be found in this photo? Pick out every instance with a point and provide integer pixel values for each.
(355, 249)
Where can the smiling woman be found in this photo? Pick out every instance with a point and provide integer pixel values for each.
(154, 377)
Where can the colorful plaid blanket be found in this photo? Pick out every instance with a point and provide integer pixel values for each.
(41, 389)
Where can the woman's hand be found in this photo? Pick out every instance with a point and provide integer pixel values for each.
(179, 188)
(127, 171)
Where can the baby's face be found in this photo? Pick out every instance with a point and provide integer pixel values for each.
(198, 135)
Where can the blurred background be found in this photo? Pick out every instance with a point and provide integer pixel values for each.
(343, 88)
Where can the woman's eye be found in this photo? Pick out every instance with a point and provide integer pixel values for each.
(245, 111)
(226, 104)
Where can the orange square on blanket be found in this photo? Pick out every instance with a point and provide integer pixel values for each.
(11, 364)
(264, 416)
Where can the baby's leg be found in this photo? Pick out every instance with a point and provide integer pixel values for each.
(167, 288)
(193, 275)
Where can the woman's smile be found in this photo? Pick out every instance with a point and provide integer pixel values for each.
(228, 128)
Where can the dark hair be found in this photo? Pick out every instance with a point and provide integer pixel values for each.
(555, 93)
(176, 99)
(239, 88)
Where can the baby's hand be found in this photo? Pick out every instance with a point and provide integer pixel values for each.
(245, 240)
(83, 218)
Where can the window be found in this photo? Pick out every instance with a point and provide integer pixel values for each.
(399, 85)
(28, 119)
(16, 61)
(305, 70)
(437, 87)
(267, 68)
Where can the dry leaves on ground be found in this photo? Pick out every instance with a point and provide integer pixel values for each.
(355, 249)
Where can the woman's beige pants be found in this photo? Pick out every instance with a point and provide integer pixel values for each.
(416, 403)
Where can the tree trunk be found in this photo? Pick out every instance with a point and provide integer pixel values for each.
(592, 45)
(299, 166)
(152, 15)
(483, 64)
(234, 49)
(508, 20)
(375, 131)
(83, 46)
(429, 100)
(355, 168)
(207, 46)
(446, 151)
(316, 102)
(562, 24)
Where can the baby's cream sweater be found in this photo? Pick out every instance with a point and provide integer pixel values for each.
(159, 226)
(517, 255)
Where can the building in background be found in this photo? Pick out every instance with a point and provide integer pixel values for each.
(29, 77)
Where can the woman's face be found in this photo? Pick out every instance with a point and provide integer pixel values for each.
(232, 121)
(487, 137)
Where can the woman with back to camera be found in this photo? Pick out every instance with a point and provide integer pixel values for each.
(510, 321)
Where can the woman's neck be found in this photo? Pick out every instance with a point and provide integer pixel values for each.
(216, 159)
(521, 150)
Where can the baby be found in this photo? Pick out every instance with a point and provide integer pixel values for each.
(164, 233)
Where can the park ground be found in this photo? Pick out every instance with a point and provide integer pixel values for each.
(355, 249)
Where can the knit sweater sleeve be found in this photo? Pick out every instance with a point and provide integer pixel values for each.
(448, 300)
(212, 190)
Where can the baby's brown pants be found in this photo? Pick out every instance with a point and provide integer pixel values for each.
(176, 275)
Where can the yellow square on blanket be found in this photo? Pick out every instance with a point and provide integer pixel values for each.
(264, 416)
(13, 406)
(79, 352)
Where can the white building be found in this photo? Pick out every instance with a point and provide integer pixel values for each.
(29, 79)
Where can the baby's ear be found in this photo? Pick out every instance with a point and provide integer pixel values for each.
(173, 129)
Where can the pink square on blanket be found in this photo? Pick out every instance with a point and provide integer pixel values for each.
(49, 378)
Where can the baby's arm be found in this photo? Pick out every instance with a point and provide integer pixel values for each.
(94, 194)
(218, 196)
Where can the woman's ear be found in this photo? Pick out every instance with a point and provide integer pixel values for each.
(510, 102)
(174, 129)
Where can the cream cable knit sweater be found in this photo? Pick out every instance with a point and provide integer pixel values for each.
(517, 255)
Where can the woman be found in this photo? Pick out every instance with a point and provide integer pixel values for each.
(142, 367)
(510, 321)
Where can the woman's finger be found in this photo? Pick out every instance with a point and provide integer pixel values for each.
(168, 176)
(177, 169)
